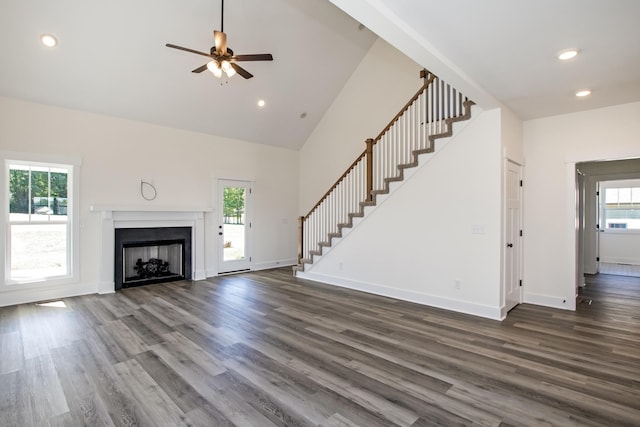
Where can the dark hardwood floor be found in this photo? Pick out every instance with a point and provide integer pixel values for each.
(264, 348)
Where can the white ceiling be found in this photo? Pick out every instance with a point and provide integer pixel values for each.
(112, 60)
(504, 50)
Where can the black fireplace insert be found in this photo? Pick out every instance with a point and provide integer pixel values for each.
(152, 255)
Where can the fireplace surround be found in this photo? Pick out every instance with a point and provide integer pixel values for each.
(116, 217)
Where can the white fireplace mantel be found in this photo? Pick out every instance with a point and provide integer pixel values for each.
(141, 217)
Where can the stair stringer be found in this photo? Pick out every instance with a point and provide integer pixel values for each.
(406, 171)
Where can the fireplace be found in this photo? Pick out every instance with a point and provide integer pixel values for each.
(113, 218)
(151, 255)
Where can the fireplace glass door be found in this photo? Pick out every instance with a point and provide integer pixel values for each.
(157, 261)
(151, 255)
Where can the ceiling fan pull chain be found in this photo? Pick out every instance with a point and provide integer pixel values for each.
(222, 17)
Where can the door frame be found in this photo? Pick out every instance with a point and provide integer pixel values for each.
(236, 266)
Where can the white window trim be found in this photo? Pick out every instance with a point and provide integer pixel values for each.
(73, 211)
(603, 186)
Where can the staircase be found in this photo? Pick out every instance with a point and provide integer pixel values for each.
(428, 116)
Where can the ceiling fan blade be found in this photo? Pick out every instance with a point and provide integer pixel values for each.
(200, 69)
(220, 40)
(244, 73)
(186, 49)
(254, 57)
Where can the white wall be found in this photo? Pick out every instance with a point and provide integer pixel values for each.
(419, 242)
(116, 154)
(380, 86)
(620, 247)
(552, 147)
(511, 134)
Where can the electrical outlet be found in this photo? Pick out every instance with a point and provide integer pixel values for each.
(478, 229)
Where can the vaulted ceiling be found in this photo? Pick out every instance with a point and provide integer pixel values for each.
(111, 57)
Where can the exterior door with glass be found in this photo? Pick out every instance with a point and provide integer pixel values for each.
(234, 226)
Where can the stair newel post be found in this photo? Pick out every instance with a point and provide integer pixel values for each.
(300, 238)
(369, 160)
(424, 74)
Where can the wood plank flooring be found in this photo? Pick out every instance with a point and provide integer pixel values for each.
(265, 348)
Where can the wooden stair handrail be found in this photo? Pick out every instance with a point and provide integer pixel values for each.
(423, 74)
(405, 108)
(349, 169)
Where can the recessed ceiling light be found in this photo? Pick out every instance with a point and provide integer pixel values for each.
(566, 54)
(583, 93)
(48, 40)
(261, 103)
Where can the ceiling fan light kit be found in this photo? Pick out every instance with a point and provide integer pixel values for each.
(222, 57)
(215, 68)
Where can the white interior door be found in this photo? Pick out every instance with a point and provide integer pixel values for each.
(513, 244)
(234, 226)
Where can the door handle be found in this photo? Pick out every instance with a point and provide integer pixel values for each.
(509, 245)
(220, 233)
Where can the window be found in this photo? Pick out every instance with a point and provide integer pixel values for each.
(621, 207)
(39, 221)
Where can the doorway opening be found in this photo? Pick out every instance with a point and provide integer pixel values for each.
(607, 241)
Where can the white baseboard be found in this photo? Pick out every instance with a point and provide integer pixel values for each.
(620, 260)
(199, 275)
(466, 307)
(106, 287)
(274, 264)
(547, 301)
(260, 266)
(46, 293)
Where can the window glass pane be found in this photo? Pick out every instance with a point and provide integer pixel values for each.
(624, 195)
(635, 195)
(58, 195)
(611, 195)
(234, 231)
(38, 251)
(18, 194)
(39, 193)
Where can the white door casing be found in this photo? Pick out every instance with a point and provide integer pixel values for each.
(513, 239)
